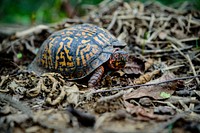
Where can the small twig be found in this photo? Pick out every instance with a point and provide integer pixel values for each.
(185, 107)
(155, 34)
(115, 96)
(159, 51)
(174, 40)
(191, 106)
(181, 53)
(36, 29)
(149, 84)
(113, 20)
(188, 25)
(189, 39)
(189, 60)
(186, 100)
(169, 104)
(193, 69)
(108, 98)
(173, 67)
(152, 21)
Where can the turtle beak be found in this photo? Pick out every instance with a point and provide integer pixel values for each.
(118, 59)
(119, 64)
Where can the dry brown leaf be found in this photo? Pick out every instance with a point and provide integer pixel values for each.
(5, 110)
(148, 63)
(17, 118)
(102, 119)
(155, 91)
(146, 77)
(164, 110)
(56, 96)
(33, 129)
(145, 101)
(36, 91)
(134, 66)
(72, 94)
(52, 118)
(143, 113)
(4, 80)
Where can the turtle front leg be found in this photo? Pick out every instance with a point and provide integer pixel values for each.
(96, 77)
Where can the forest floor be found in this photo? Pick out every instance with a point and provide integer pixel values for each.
(158, 91)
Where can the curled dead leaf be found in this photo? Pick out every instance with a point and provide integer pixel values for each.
(134, 66)
(145, 101)
(146, 77)
(148, 64)
(72, 94)
(4, 80)
(164, 110)
(143, 113)
(36, 91)
(52, 118)
(155, 91)
(56, 96)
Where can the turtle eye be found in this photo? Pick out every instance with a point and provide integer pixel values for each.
(117, 49)
(116, 56)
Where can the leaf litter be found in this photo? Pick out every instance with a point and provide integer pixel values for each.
(162, 43)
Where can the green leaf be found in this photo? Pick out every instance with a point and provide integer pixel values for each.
(165, 95)
(19, 55)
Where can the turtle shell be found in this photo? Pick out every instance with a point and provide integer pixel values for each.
(75, 52)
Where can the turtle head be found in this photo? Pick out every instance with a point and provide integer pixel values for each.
(118, 59)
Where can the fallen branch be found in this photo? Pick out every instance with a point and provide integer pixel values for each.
(134, 86)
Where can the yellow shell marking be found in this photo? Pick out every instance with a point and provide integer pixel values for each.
(85, 41)
(91, 54)
(67, 53)
(88, 31)
(70, 42)
(87, 56)
(56, 62)
(83, 33)
(97, 39)
(60, 47)
(65, 38)
(78, 34)
(78, 61)
(94, 49)
(69, 32)
(102, 36)
(83, 59)
(62, 33)
(89, 34)
(49, 53)
(63, 63)
(44, 58)
(84, 50)
(61, 69)
(70, 64)
(57, 55)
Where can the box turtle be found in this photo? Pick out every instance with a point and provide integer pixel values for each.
(79, 51)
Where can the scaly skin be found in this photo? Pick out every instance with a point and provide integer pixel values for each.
(116, 61)
(96, 77)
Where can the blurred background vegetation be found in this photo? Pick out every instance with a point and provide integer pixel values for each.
(30, 12)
